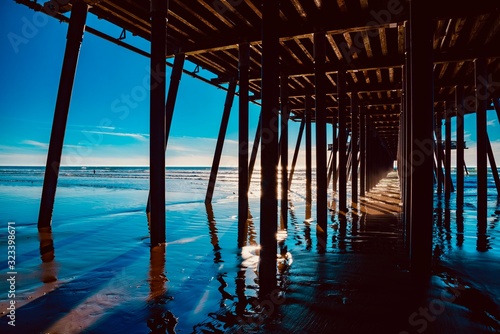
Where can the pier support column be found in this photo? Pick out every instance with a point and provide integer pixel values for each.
(482, 142)
(341, 93)
(74, 38)
(496, 104)
(459, 104)
(407, 82)
(284, 150)
(269, 147)
(296, 152)
(354, 149)
(422, 139)
(308, 112)
(439, 151)
(255, 149)
(243, 179)
(493, 165)
(157, 123)
(173, 88)
(491, 156)
(220, 140)
(368, 154)
(335, 147)
(320, 92)
(448, 188)
(333, 158)
(362, 153)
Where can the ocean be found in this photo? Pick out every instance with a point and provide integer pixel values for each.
(95, 271)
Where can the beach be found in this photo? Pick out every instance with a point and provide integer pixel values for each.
(95, 271)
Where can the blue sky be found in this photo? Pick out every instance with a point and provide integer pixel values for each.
(109, 80)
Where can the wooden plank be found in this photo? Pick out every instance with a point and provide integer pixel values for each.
(383, 41)
(342, 6)
(304, 49)
(237, 13)
(198, 17)
(401, 39)
(366, 43)
(298, 7)
(216, 13)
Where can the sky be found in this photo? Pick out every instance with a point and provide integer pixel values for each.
(108, 122)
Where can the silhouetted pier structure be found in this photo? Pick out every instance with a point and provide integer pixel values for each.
(383, 74)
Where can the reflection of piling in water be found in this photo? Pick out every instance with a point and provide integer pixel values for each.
(157, 278)
(47, 255)
(160, 320)
(212, 227)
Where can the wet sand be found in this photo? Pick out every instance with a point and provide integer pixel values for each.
(95, 273)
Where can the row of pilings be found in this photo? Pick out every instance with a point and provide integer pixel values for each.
(365, 158)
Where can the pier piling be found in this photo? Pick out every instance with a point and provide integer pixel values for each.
(243, 172)
(74, 38)
(157, 123)
(320, 106)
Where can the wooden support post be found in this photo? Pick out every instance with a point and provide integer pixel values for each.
(157, 124)
(220, 140)
(349, 158)
(422, 139)
(459, 103)
(368, 153)
(284, 150)
(320, 92)
(482, 145)
(408, 135)
(493, 165)
(341, 93)
(329, 168)
(255, 149)
(334, 156)
(173, 88)
(354, 149)
(441, 177)
(74, 38)
(496, 104)
(332, 171)
(296, 152)
(362, 155)
(269, 149)
(308, 112)
(243, 178)
(400, 154)
(448, 189)
(439, 151)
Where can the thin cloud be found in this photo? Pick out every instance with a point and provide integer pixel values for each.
(35, 143)
(138, 136)
(491, 123)
(43, 145)
(106, 127)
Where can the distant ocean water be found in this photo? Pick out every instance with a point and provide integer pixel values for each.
(100, 248)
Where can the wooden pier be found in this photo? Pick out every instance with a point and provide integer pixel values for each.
(383, 74)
